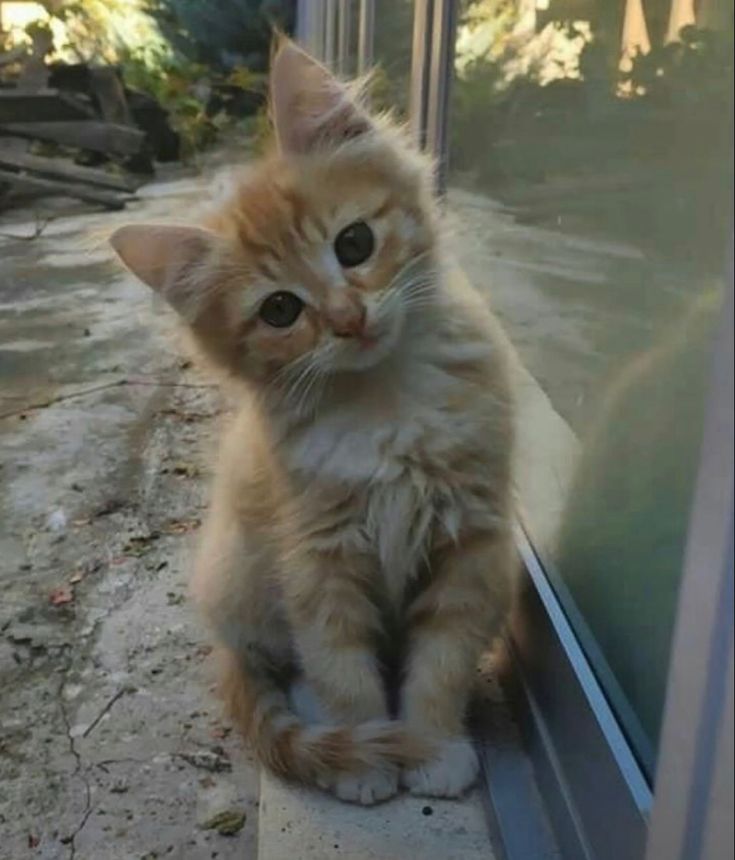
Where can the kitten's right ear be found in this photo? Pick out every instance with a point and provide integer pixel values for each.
(172, 260)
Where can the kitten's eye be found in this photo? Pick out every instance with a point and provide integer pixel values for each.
(281, 309)
(354, 244)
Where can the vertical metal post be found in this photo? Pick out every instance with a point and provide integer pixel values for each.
(420, 69)
(365, 36)
(302, 30)
(310, 25)
(693, 802)
(443, 35)
(330, 33)
(344, 34)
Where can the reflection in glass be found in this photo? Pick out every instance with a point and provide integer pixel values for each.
(392, 53)
(591, 174)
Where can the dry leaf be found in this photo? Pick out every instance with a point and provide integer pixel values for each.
(226, 823)
(180, 527)
(138, 545)
(61, 595)
(185, 470)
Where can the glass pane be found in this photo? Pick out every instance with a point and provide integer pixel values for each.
(392, 52)
(590, 186)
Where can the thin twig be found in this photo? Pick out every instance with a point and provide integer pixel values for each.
(95, 722)
(40, 225)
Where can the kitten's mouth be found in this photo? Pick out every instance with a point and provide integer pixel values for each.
(366, 349)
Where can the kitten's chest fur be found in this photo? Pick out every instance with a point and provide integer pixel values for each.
(388, 453)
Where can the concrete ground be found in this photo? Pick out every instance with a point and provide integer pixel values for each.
(111, 744)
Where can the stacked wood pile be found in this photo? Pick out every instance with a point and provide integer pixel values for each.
(86, 117)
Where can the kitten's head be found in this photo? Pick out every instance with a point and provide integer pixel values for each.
(320, 254)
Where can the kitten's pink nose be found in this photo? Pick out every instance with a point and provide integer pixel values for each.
(347, 317)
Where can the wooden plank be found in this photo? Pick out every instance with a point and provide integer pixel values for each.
(51, 187)
(17, 105)
(65, 170)
(97, 136)
(108, 90)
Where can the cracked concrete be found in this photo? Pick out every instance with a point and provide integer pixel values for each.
(111, 743)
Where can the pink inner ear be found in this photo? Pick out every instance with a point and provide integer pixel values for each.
(310, 106)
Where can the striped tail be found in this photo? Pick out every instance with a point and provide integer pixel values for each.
(311, 754)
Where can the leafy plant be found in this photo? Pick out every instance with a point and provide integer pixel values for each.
(697, 69)
(136, 36)
(223, 33)
(183, 88)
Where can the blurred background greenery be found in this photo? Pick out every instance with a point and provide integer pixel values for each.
(204, 63)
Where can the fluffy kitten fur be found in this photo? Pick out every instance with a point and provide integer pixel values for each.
(355, 561)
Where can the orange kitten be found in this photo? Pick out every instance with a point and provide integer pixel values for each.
(355, 562)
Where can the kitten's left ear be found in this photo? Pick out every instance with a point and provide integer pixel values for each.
(311, 108)
(175, 261)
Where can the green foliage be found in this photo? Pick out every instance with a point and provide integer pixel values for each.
(127, 33)
(501, 127)
(103, 30)
(260, 132)
(223, 33)
(696, 70)
(183, 87)
(172, 84)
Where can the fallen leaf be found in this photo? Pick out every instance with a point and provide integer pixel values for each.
(226, 823)
(219, 733)
(185, 470)
(211, 761)
(180, 527)
(61, 595)
(139, 545)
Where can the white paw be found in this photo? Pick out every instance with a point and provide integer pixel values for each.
(367, 788)
(452, 771)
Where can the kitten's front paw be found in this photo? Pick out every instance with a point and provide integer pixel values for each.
(449, 774)
(367, 788)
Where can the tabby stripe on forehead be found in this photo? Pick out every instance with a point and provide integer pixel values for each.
(320, 226)
(265, 269)
(257, 245)
(385, 207)
(298, 211)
